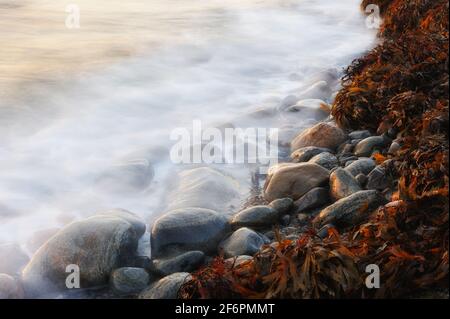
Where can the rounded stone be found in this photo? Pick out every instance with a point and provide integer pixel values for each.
(188, 229)
(129, 280)
(322, 134)
(255, 216)
(342, 184)
(293, 180)
(167, 287)
(243, 241)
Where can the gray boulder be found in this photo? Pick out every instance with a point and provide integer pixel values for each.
(368, 145)
(207, 188)
(350, 210)
(243, 241)
(359, 135)
(293, 180)
(378, 179)
(342, 184)
(10, 288)
(188, 229)
(97, 245)
(394, 148)
(129, 280)
(315, 198)
(167, 287)
(323, 134)
(304, 154)
(326, 160)
(361, 166)
(255, 216)
(12, 258)
(186, 262)
(282, 205)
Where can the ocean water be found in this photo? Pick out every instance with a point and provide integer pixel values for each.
(75, 104)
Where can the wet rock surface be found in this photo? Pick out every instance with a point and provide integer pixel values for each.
(304, 154)
(326, 160)
(185, 262)
(361, 166)
(323, 134)
(255, 216)
(129, 280)
(294, 180)
(188, 229)
(315, 198)
(97, 245)
(243, 241)
(368, 145)
(165, 288)
(350, 210)
(342, 184)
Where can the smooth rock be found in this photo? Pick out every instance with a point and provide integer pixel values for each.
(10, 288)
(129, 280)
(315, 198)
(207, 188)
(167, 287)
(347, 159)
(359, 135)
(350, 210)
(293, 180)
(394, 148)
(186, 262)
(361, 166)
(97, 245)
(326, 160)
(377, 179)
(12, 258)
(349, 162)
(243, 241)
(304, 154)
(255, 216)
(368, 145)
(342, 184)
(282, 205)
(322, 134)
(188, 229)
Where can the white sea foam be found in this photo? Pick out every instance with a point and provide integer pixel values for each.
(77, 105)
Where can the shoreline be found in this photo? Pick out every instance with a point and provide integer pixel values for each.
(351, 196)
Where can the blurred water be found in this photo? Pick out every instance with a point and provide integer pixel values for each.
(75, 103)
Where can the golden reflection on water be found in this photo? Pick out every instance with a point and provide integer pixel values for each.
(37, 44)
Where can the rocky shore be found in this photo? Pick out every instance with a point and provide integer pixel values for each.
(322, 216)
(332, 181)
